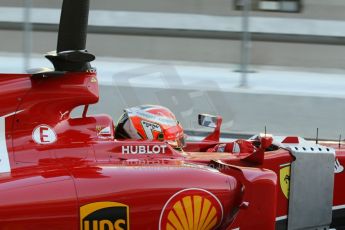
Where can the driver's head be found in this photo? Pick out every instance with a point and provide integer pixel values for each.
(150, 122)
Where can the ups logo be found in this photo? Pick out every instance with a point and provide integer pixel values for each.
(104, 216)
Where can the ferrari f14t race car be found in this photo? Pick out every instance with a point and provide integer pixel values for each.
(59, 172)
(307, 172)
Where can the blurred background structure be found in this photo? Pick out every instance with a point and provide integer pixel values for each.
(274, 63)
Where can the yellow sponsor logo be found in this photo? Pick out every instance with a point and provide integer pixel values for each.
(192, 209)
(284, 178)
(104, 216)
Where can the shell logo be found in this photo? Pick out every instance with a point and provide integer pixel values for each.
(191, 209)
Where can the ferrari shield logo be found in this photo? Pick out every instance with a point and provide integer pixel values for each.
(284, 178)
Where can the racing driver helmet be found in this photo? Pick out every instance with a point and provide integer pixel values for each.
(150, 122)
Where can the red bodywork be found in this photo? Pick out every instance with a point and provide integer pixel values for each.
(59, 172)
(64, 170)
(276, 160)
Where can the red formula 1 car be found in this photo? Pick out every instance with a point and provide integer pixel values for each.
(310, 176)
(58, 172)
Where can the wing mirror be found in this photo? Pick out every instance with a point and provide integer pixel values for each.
(211, 121)
(207, 120)
(105, 132)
